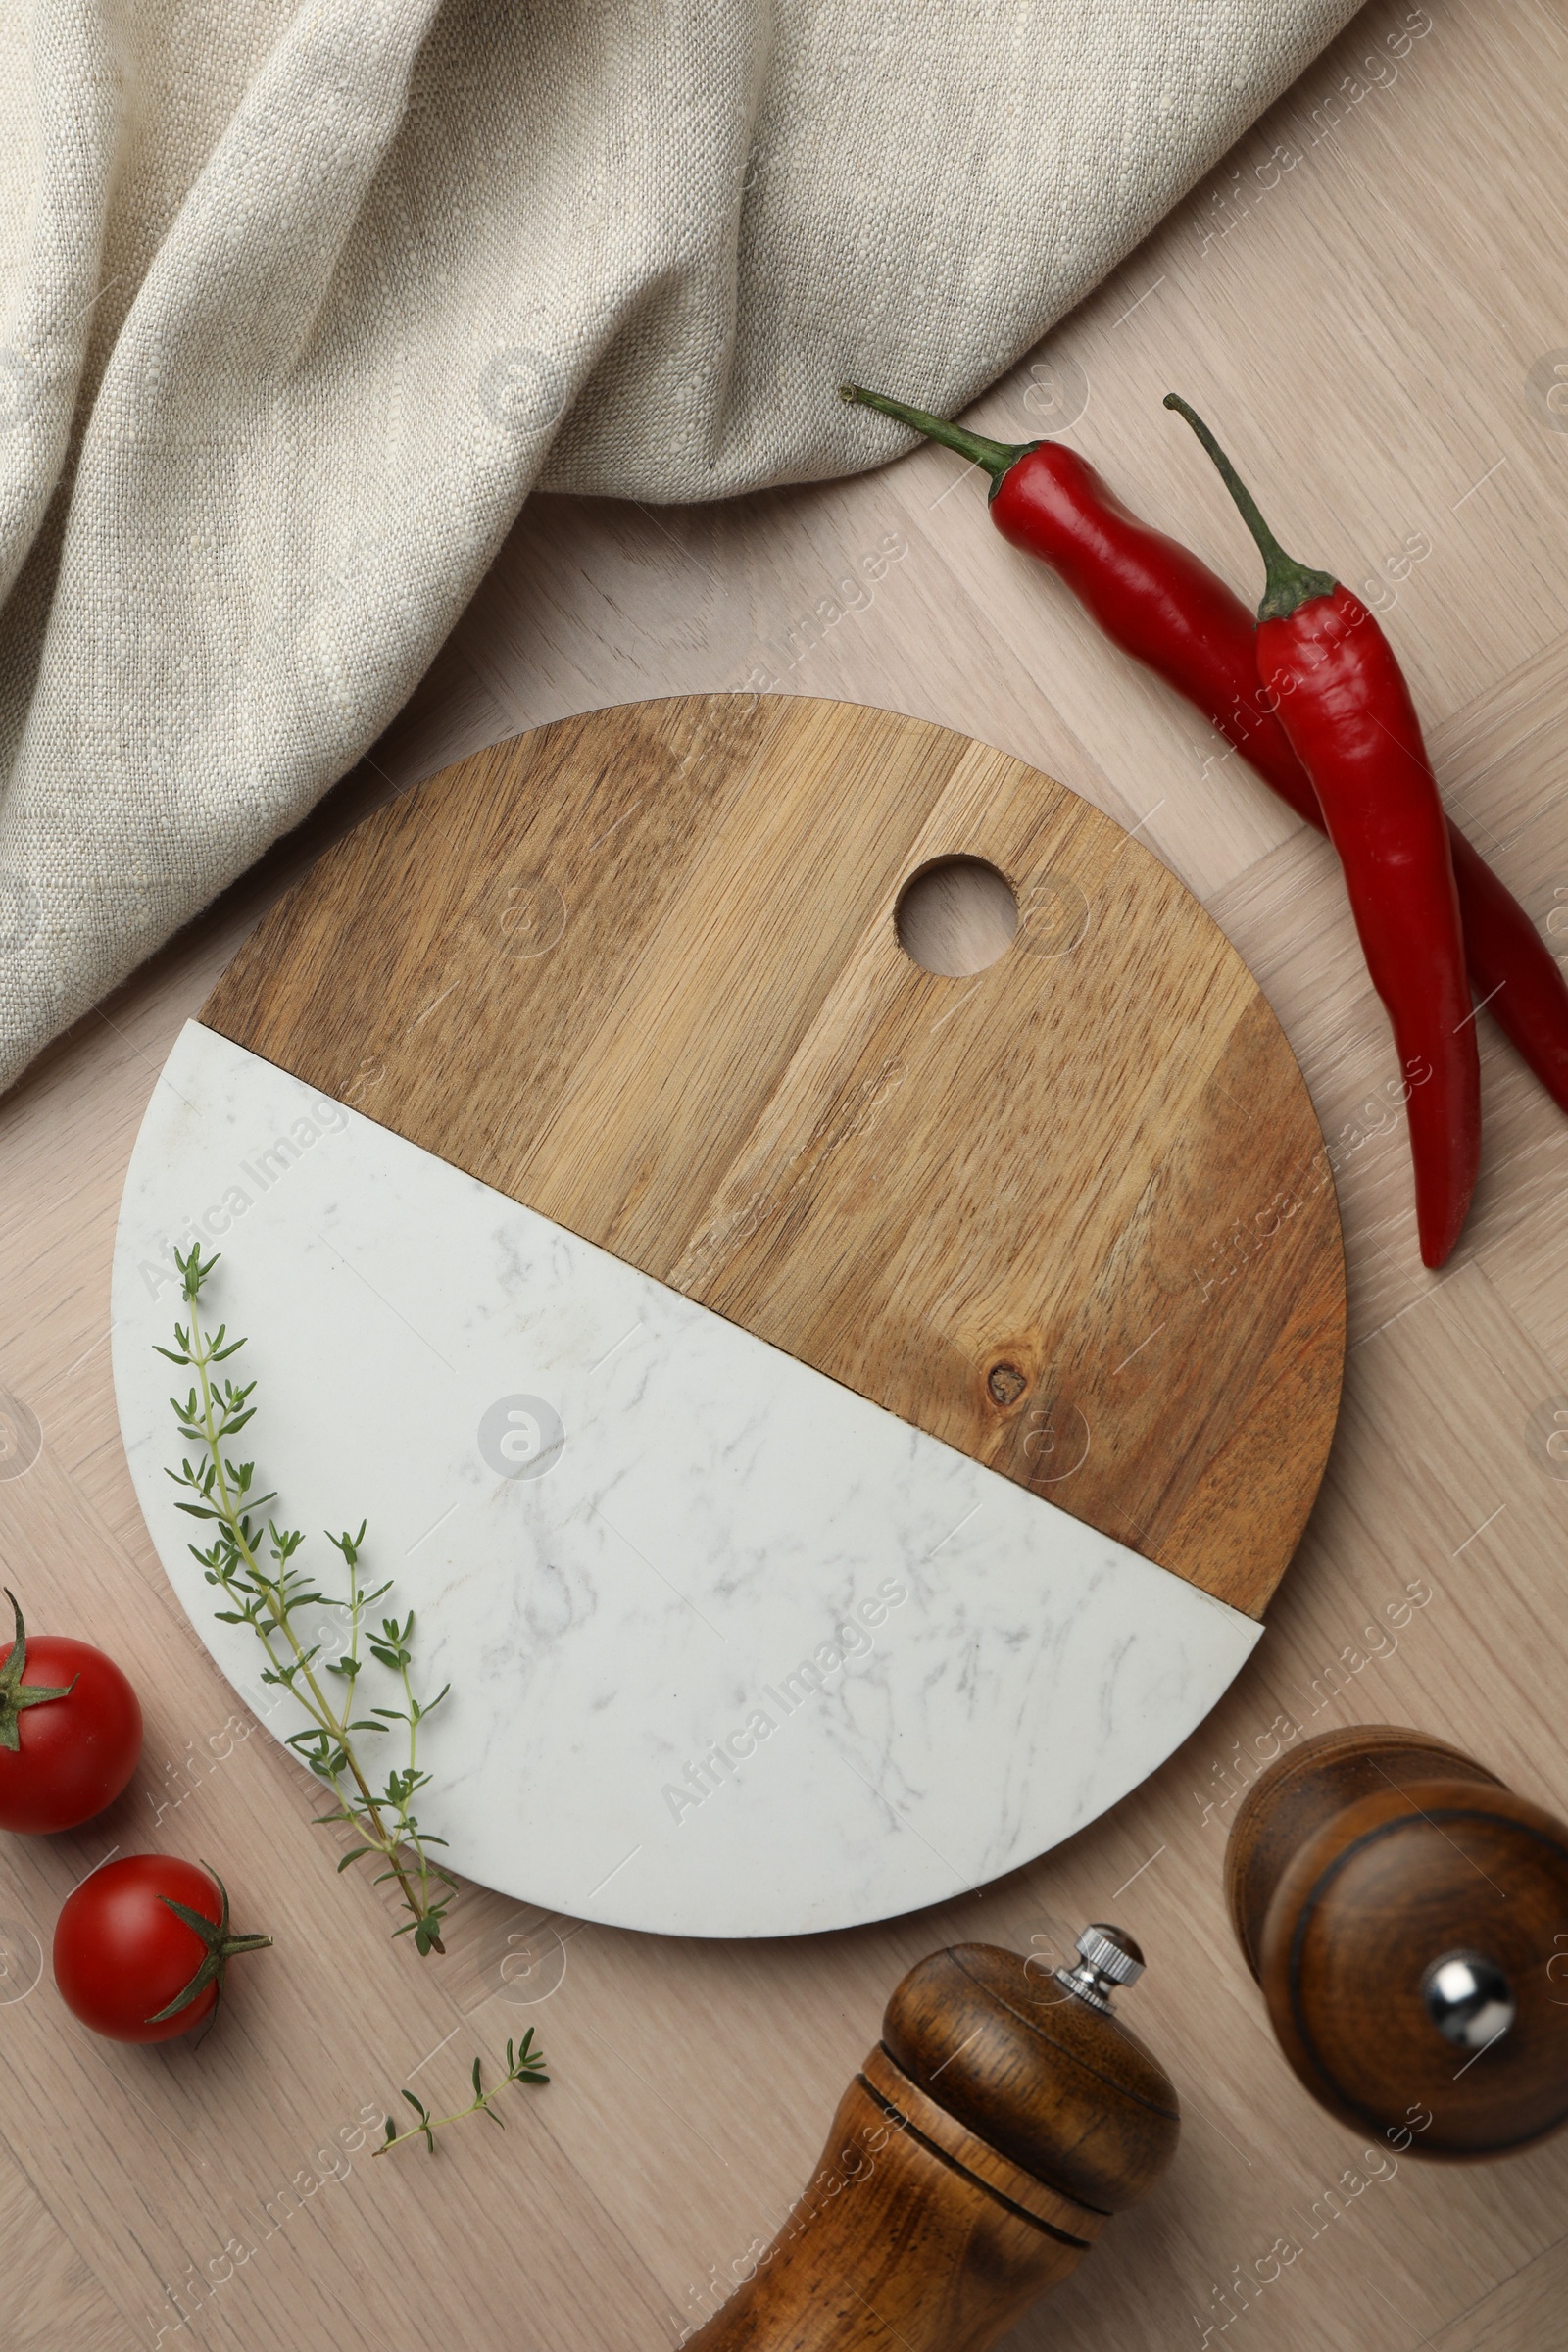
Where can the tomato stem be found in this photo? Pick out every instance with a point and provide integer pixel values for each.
(220, 1949)
(13, 1696)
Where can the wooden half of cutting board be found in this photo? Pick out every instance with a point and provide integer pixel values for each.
(642, 971)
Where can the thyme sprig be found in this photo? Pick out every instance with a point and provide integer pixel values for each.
(269, 1594)
(525, 2064)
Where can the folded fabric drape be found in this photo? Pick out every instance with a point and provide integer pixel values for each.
(300, 301)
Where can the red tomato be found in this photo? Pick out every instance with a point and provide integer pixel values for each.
(123, 1955)
(62, 1758)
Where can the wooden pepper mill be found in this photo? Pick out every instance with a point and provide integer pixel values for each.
(1406, 1915)
(1005, 2115)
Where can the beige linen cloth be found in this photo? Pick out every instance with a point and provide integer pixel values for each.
(297, 302)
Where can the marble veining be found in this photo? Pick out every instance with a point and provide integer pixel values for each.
(733, 1652)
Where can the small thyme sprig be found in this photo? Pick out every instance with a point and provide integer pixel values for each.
(525, 2064)
(269, 1599)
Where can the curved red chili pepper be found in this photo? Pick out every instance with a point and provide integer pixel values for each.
(1512, 970)
(1344, 702)
(1161, 603)
(1148, 592)
(1157, 599)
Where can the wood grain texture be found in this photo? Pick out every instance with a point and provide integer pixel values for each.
(1525, 2313)
(971, 2166)
(1303, 1790)
(51, 2293)
(643, 970)
(1355, 1864)
(936, 2124)
(914, 2253)
(1057, 2086)
(1361, 328)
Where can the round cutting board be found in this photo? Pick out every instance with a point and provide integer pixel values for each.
(837, 1423)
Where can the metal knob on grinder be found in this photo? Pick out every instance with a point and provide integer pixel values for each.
(1108, 1957)
(1406, 1915)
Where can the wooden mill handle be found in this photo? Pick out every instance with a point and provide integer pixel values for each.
(896, 2241)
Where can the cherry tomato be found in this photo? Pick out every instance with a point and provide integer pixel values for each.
(141, 1948)
(69, 1731)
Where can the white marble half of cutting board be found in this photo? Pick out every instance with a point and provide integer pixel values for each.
(733, 1652)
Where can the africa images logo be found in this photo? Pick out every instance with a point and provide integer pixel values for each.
(805, 1680)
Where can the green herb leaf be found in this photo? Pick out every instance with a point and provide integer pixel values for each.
(251, 1566)
(427, 2125)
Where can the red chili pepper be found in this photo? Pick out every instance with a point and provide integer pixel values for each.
(1343, 701)
(1164, 606)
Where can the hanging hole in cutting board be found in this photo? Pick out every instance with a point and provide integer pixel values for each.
(956, 916)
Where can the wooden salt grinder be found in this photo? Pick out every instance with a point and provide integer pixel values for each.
(1406, 1915)
(1005, 2115)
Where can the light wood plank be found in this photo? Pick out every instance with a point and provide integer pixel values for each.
(1527, 2309)
(52, 2297)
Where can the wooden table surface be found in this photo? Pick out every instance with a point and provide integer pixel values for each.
(1368, 299)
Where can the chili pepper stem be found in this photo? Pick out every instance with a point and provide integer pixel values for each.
(995, 456)
(1290, 584)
